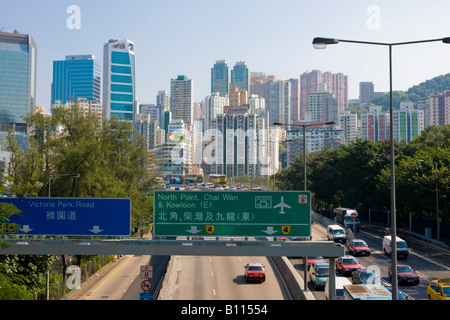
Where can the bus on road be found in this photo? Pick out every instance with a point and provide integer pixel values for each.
(218, 180)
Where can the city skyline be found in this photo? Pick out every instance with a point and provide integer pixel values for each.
(176, 37)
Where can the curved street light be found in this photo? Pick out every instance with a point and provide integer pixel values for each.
(321, 43)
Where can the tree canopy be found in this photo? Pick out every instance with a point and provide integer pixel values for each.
(358, 175)
(110, 160)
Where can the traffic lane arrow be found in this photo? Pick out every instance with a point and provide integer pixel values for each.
(96, 229)
(26, 229)
(193, 230)
(269, 231)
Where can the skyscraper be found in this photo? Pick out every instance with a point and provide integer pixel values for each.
(182, 99)
(295, 100)
(76, 77)
(280, 103)
(322, 105)
(337, 84)
(214, 105)
(366, 92)
(240, 76)
(219, 78)
(119, 79)
(17, 81)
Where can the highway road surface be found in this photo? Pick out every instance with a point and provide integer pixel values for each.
(221, 278)
(124, 282)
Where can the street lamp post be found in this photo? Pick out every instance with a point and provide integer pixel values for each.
(304, 126)
(321, 43)
(75, 175)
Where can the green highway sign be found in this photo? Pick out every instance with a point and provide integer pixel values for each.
(232, 213)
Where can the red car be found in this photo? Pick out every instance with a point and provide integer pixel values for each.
(358, 247)
(254, 271)
(387, 232)
(405, 274)
(347, 264)
(310, 260)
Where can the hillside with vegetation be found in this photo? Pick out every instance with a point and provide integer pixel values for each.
(416, 93)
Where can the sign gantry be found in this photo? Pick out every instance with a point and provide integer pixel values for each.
(231, 213)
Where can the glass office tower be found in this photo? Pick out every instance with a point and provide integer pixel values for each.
(118, 80)
(76, 77)
(17, 82)
(240, 76)
(219, 78)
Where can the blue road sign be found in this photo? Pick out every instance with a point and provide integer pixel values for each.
(146, 296)
(71, 216)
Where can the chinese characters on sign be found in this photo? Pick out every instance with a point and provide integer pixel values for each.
(229, 213)
(70, 216)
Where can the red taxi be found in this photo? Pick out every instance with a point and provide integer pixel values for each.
(358, 247)
(347, 264)
(254, 271)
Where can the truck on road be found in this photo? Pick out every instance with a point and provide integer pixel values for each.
(347, 218)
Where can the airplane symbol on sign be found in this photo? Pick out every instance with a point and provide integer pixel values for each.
(282, 205)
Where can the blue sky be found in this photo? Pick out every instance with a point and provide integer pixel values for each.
(175, 37)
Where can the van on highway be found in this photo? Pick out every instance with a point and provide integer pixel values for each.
(402, 247)
(340, 283)
(336, 233)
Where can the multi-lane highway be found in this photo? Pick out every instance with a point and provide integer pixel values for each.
(430, 263)
(222, 278)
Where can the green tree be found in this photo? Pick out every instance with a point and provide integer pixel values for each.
(13, 286)
(108, 157)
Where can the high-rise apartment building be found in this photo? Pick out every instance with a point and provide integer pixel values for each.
(375, 125)
(219, 78)
(182, 99)
(78, 76)
(163, 100)
(440, 108)
(336, 83)
(214, 105)
(17, 82)
(367, 92)
(84, 105)
(119, 80)
(317, 138)
(408, 122)
(295, 100)
(244, 145)
(237, 96)
(280, 102)
(322, 105)
(260, 84)
(349, 124)
(240, 76)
